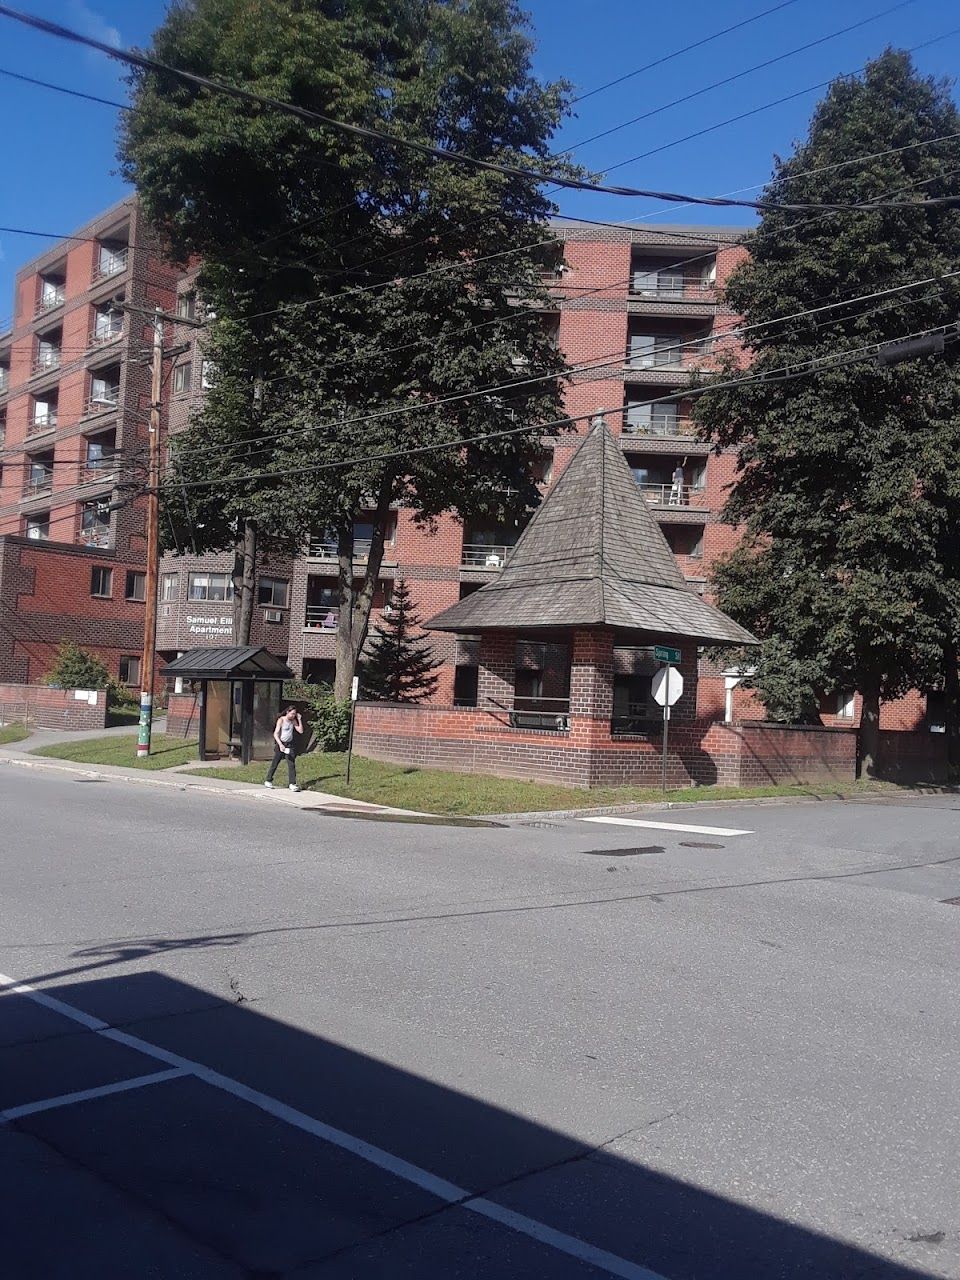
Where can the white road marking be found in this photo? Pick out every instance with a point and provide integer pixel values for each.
(85, 1095)
(671, 826)
(449, 1192)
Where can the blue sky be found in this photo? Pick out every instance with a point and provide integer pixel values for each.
(50, 185)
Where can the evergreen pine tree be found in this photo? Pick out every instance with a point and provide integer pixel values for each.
(401, 666)
(849, 486)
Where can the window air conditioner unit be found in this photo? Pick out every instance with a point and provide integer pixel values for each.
(165, 610)
(387, 611)
(273, 615)
(493, 561)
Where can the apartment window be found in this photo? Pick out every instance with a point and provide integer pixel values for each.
(107, 324)
(38, 526)
(187, 306)
(168, 586)
(208, 371)
(130, 670)
(543, 467)
(181, 379)
(685, 539)
(653, 419)
(274, 592)
(101, 451)
(48, 353)
(846, 704)
(105, 391)
(936, 713)
(136, 585)
(210, 586)
(649, 350)
(41, 472)
(52, 292)
(101, 581)
(112, 258)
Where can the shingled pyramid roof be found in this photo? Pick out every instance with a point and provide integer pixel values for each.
(593, 555)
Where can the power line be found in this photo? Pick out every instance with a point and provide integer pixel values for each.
(758, 66)
(807, 367)
(619, 361)
(668, 57)
(145, 63)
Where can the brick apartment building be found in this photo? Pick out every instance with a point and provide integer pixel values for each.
(637, 310)
(74, 400)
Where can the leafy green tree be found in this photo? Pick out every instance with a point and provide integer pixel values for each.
(848, 484)
(354, 282)
(400, 666)
(77, 668)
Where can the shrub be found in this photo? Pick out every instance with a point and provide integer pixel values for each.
(328, 718)
(75, 668)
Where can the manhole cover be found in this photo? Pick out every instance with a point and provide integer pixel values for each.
(624, 853)
(700, 844)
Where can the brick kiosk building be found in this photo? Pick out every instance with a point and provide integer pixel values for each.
(74, 399)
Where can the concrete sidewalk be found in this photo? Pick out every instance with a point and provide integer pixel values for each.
(18, 755)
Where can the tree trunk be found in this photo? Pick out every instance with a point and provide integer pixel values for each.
(354, 618)
(870, 727)
(951, 692)
(244, 581)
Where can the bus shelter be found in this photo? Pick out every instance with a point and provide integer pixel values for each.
(240, 691)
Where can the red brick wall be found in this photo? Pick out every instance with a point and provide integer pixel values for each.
(51, 708)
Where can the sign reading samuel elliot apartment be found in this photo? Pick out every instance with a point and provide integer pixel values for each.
(217, 625)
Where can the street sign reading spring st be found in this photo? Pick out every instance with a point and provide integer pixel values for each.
(663, 654)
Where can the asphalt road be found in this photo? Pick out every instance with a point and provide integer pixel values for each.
(268, 1042)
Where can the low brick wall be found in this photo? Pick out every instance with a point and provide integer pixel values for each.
(183, 715)
(47, 708)
(912, 757)
(468, 740)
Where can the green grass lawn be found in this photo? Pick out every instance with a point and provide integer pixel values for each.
(165, 752)
(12, 733)
(433, 791)
(123, 715)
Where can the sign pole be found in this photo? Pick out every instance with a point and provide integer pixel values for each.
(666, 731)
(354, 691)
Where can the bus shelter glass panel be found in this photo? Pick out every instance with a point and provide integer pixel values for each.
(266, 708)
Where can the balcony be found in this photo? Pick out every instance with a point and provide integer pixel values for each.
(674, 495)
(46, 360)
(51, 297)
(676, 353)
(99, 470)
(111, 262)
(40, 482)
(41, 423)
(325, 549)
(658, 427)
(101, 402)
(671, 288)
(320, 617)
(477, 555)
(97, 537)
(103, 334)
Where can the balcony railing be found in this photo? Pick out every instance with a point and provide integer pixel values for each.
(678, 355)
(99, 337)
(104, 403)
(50, 301)
(41, 423)
(38, 484)
(673, 495)
(45, 361)
(111, 263)
(319, 617)
(99, 537)
(100, 470)
(325, 549)
(674, 427)
(672, 289)
(476, 555)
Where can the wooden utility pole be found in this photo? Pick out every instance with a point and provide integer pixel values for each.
(148, 664)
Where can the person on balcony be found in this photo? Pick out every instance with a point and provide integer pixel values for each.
(677, 488)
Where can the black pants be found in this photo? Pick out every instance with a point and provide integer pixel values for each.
(291, 760)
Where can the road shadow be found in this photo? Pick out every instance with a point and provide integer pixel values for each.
(242, 1190)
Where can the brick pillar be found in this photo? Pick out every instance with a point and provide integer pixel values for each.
(591, 675)
(497, 670)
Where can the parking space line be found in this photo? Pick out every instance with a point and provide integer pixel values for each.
(85, 1095)
(446, 1191)
(671, 826)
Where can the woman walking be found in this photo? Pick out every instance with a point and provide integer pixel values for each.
(287, 725)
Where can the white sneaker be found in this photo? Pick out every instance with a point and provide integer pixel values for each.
(269, 784)
(294, 787)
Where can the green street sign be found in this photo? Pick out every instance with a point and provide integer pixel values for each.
(663, 654)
